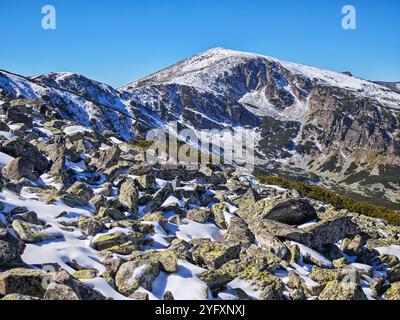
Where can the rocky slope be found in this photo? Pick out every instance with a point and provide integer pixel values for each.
(331, 128)
(84, 217)
(394, 86)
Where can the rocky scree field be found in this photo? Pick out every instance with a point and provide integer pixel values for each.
(84, 217)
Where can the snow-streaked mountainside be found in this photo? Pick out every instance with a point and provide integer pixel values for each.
(70, 103)
(236, 74)
(395, 86)
(328, 126)
(85, 216)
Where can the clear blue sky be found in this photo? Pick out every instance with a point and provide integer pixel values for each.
(118, 41)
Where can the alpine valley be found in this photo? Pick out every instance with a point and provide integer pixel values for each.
(78, 198)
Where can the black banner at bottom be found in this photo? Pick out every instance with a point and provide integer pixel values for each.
(146, 310)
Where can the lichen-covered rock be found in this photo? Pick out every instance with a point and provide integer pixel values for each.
(182, 248)
(199, 215)
(168, 260)
(85, 274)
(271, 286)
(353, 246)
(378, 286)
(298, 294)
(156, 217)
(324, 276)
(81, 190)
(59, 291)
(11, 250)
(33, 233)
(216, 278)
(21, 297)
(214, 254)
(139, 296)
(83, 291)
(218, 214)
(133, 274)
(112, 213)
(146, 181)
(19, 168)
(129, 195)
(107, 158)
(70, 200)
(91, 226)
(331, 231)
(30, 217)
(23, 281)
(160, 196)
(341, 262)
(389, 261)
(271, 243)
(335, 290)
(393, 293)
(250, 260)
(291, 212)
(248, 199)
(118, 242)
(280, 230)
(394, 274)
(239, 232)
(18, 147)
(294, 252)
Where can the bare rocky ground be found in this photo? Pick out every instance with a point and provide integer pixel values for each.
(83, 217)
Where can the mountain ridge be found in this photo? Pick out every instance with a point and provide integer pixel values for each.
(331, 125)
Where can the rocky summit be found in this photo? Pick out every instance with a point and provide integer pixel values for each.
(84, 216)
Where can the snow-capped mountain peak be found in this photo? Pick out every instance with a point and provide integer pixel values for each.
(216, 69)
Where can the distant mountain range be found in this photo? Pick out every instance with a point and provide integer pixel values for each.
(327, 127)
